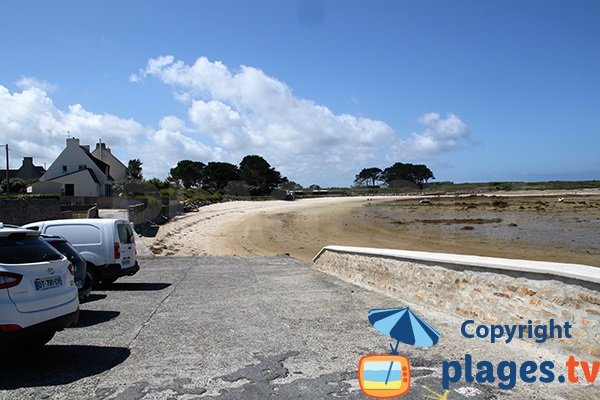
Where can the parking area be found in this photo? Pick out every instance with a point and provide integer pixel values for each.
(235, 328)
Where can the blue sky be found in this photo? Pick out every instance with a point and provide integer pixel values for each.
(477, 90)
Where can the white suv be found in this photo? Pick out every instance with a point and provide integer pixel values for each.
(38, 296)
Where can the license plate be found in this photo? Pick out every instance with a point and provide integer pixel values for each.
(48, 283)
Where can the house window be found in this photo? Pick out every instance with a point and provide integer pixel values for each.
(82, 166)
(108, 190)
(64, 168)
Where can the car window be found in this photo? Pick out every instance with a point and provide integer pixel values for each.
(77, 234)
(21, 249)
(125, 233)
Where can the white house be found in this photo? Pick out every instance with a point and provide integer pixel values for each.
(78, 172)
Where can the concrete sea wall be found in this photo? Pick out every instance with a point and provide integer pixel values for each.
(487, 290)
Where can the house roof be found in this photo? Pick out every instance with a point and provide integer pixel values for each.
(106, 152)
(19, 173)
(99, 163)
(92, 174)
(12, 173)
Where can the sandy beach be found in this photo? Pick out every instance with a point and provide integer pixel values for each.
(547, 226)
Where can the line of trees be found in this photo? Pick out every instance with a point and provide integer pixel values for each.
(393, 175)
(254, 174)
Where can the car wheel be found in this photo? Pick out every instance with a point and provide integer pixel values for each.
(91, 269)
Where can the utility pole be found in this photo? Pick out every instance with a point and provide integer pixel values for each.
(7, 177)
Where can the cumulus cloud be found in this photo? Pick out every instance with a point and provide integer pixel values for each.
(33, 126)
(440, 135)
(230, 114)
(247, 111)
(168, 144)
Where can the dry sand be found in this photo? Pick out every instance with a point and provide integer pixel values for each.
(533, 226)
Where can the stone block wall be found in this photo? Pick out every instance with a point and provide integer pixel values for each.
(23, 211)
(484, 294)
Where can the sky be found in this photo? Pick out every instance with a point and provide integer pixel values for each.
(479, 91)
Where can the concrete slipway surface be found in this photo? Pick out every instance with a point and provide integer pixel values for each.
(246, 328)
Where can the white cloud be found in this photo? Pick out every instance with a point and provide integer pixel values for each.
(164, 147)
(33, 126)
(248, 112)
(440, 135)
(172, 123)
(230, 114)
(28, 82)
(223, 124)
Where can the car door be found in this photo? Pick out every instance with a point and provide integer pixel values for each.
(126, 244)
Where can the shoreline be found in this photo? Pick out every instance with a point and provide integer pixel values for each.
(533, 226)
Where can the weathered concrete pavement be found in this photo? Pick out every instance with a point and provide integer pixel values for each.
(242, 328)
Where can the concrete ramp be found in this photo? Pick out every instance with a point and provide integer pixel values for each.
(118, 213)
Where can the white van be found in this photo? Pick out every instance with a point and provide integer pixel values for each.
(107, 245)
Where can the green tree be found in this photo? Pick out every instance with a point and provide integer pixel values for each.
(421, 174)
(291, 185)
(159, 184)
(216, 175)
(418, 174)
(134, 169)
(17, 185)
(188, 173)
(261, 178)
(368, 175)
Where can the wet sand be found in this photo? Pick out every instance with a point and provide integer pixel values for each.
(524, 226)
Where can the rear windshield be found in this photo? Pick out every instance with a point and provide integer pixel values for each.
(125, 233)
(21, 249)
(66, 250)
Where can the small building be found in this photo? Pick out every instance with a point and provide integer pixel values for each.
(79, 173)
(27, 171)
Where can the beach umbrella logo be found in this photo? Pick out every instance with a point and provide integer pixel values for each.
(388, 375)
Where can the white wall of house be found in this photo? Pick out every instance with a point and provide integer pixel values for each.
(84, 184)
(47, 187)
(117, 169)
(72, 159)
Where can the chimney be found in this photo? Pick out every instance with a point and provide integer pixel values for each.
(86, 147)
(102, 147)
(72, 142)
(27, 161)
